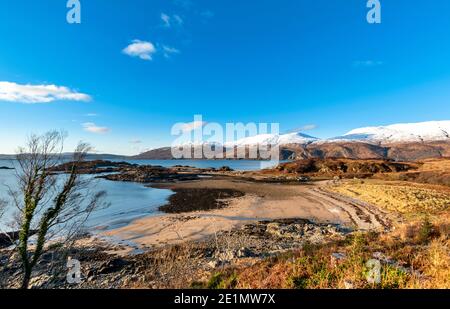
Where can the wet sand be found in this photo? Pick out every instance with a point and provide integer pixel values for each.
(262, 201)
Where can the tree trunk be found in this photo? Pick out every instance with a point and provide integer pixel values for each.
(26, 278)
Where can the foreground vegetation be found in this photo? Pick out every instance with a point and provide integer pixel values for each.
(414, 256)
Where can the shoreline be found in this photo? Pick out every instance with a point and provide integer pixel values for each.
(262, 201)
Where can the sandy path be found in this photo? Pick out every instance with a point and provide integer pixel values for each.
(262, 201)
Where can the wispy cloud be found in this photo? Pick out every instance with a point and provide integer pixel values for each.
(142, 49)
(166, 19)
(30, 94)
(171, 20)
(93, 128)
(135, 141)
(168, 51)
(367, 63)
(191, 126)
(91, 115)
(307, 127)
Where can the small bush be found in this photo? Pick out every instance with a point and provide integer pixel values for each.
(426, 230)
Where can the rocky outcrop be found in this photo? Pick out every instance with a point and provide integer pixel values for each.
(92, 167)
(344, 167)
(148, 173)
(124, 171)
(7, 239)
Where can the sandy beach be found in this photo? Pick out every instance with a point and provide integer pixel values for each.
(262, 201)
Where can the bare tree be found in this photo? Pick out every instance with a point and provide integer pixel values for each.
(52, 206)
(3, 205)
(2, 208)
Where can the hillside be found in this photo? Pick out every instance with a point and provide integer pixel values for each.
(399, 142)
(349, 150)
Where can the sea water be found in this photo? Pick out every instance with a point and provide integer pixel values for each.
(128, 201)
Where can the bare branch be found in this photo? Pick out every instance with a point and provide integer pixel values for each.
(50, 204)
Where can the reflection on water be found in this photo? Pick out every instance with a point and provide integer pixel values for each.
(128, 201)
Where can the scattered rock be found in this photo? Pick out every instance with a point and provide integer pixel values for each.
(112, 266)
(39, 281)
(244, 253)
(225, 169)
(348, 285)
(337, 258)
(214, 263)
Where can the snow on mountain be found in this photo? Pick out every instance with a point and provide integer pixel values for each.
(296, 138)
(261, 139)
(405, 132)
(274, 139)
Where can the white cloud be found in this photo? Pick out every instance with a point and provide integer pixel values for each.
(142, 49)
(191, 126)
(135, 141)
(91, 115)
(12, 92)
(168, 51)
(93, 128)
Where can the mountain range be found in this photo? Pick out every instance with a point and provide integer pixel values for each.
(399, 142)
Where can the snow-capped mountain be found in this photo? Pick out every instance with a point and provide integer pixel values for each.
(404, 132)
(401, 142)
(274, 139)
(396, 133)
(261, 139)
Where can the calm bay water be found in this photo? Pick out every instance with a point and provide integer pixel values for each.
(238, 165)
(128, 201)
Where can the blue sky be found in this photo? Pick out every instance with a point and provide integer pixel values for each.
(296, 62)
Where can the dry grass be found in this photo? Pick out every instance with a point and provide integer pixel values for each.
(432, 171)
(418, 262)
(402, 197)
(414, 255)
